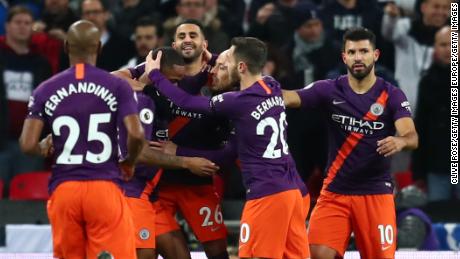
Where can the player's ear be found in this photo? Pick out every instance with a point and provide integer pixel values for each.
(376, 54)
(344, 57)
(173, 44)
(241, 67)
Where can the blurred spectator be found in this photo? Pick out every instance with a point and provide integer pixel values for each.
(229, 12)
(413, 42)
(274, 22)
(195, 9)
(311, 55)
(56, 18)
(340, 15)
(21, 71)
(146, 38)
(131, 11)
(116, 50)
(431, 161)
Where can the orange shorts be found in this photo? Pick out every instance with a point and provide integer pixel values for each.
(199, 205)
(88, 217)
(144, 222)
(274, 227)
(371, 218)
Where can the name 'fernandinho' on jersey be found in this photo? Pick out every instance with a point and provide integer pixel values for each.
(81, 87)
(266, 105)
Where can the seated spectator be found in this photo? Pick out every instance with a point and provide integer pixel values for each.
(218, 41)
(146, 38)
(21, 71)
(431, 161)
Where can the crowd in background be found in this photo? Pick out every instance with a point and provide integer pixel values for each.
(304, 39)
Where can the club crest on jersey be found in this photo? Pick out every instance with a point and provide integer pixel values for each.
(377, 109)
(144, 234)
(146, 116)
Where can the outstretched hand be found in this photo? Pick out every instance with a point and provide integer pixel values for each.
(151, 63)
(390, 145)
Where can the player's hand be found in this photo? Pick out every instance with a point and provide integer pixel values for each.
(200, 166)
(46, 146)
(127, 169)
(167, 147)
(151, 64)
(390, 145)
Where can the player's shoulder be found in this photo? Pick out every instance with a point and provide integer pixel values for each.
(226, 97)
(326, 83)
(390, 88)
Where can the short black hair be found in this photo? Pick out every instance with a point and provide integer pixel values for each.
(191, 21)
(252, 51)
(18, 9)
(146, 21)
(357, 34)
(169, 57)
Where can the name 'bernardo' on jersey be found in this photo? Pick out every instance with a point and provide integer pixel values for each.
(82, 87)
(357, 125)
(267, 105)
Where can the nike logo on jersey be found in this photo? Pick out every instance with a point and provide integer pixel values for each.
(335, 102)
(385, 247)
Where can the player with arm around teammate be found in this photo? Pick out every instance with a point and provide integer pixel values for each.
(257, 111)
(363, 112)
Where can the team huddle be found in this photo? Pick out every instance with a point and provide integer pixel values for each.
(134, 147)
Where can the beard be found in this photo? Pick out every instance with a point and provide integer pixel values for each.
(190, 56)
(224, 84)
(361, 74)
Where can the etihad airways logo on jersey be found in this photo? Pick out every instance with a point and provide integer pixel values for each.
(352, 124)
(177, 111)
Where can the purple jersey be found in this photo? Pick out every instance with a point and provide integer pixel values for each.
(258, 114)
(142, 183)
(355, 123)
(83, 115)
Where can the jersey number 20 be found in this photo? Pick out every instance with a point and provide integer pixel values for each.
(278, 132)
(71, 123)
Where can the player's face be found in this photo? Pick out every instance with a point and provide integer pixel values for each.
(360, 57)
(174, 74)
(189, 42)
(232, 66)
(146, 39)
(221, 75)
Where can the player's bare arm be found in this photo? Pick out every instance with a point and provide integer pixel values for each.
(29, 140)
(291, 99)
(406, 138)
(135, 144)
(197, 165)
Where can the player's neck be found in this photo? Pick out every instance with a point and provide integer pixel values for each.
(363, 85)
(73, 60)
(194, 67)
(248, 80)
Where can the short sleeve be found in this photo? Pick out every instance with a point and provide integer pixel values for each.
(36, 106)
(137, 71)
(126, 101)
(314, 94)
(398, 104)
(225, 104)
